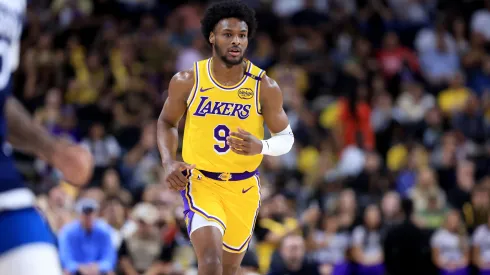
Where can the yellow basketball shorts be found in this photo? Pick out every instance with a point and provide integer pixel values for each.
(232, 200)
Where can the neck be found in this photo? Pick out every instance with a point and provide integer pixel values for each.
(225, 72)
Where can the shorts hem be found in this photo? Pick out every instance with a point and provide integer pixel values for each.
(243, 247)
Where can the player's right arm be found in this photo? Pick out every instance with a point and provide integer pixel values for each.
(174, 108)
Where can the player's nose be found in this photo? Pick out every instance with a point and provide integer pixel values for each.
(235, 40)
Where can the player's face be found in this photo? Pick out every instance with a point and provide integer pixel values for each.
(230, 40)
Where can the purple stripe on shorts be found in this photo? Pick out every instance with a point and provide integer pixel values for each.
(188, 213)
(186, 204)
(190, 216)
(189, 205)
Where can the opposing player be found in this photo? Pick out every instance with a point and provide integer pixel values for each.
(227, 100)
(27, 246)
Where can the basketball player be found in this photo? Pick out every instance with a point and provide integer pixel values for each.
(27, 246)
(227, 100)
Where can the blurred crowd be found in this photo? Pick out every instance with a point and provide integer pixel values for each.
(389, 101)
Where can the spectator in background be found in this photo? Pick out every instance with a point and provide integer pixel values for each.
(274, 224)
(444, 160)
(113, 212)
(50, 114)
(292, 258)
(367, 251)
(187, 56)
(432, 128)
(406, 246)
(471, 122)
(391, 209)
(142, 160)
(346, 209)
(479, 80)
(111, 184)
(355, 117)
(85, 245)
(465, 181)
(450, 247)
(427, 39)
(263, 53)
(289, 75)
(480, 20)
(460, 35)
(453, 99)
(143, 252)
(427, 187)
(57, 207)
(434, 215)
(382, 116)
(414, 103)
(475, 212)
(393, 56)
(104, 148)
(481, 247)
(68, 127)
(439, 65)
(71, 11)
(91, 78)
(476, 54)
(329, 247)
(407, 177)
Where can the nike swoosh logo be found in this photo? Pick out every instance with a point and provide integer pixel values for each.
(246, 190)
(203, 90)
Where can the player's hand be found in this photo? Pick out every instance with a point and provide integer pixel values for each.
(244, 143)
(174, 178)
(75, 162)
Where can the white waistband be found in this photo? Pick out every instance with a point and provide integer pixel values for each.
(17, 199)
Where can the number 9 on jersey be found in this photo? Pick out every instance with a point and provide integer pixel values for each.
(221, 132)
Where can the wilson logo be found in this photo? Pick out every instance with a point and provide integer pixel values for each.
(245, 93)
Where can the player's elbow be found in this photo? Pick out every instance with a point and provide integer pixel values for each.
(164, 125)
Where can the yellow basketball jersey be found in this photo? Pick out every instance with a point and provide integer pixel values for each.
(215, 110)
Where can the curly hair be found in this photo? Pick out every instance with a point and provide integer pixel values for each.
(228, 9)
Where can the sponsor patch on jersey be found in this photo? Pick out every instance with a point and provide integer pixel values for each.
(245, 93)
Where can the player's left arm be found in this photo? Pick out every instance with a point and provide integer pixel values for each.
(275, 118)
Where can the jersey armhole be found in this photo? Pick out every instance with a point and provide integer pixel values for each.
(257, 91)
(193, 93)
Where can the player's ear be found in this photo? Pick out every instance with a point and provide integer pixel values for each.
(211, 38)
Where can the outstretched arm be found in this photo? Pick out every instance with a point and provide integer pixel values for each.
(24, 134)
(282, 139)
